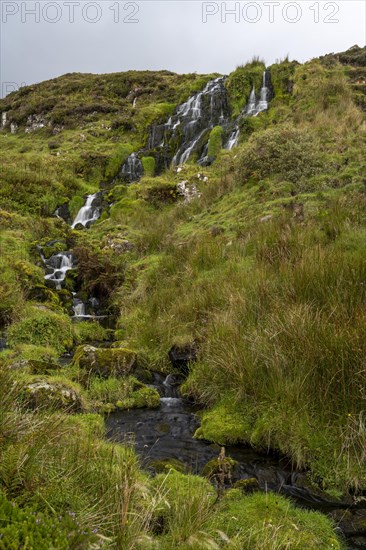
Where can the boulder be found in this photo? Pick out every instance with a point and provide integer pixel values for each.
(60, 395)
(106, 362)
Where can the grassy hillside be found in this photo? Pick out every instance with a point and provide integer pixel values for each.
(263, 271)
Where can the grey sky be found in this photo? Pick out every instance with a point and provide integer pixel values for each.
(167, 35)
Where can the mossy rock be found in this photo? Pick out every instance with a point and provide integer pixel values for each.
(140, 398)
(167, 464)
(41, 293)
(105, 362)
(248, 485)
(33, 366)
(225, 425)
(47, 393)
(52, 247)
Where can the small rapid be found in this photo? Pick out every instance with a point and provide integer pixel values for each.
(89, 213)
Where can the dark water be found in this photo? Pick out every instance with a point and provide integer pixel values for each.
(167, 433)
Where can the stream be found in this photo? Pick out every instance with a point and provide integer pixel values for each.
(167, 433)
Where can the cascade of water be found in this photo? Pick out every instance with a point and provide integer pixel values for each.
(200, 113)
(88, 213)
(263, 98)
(132, 169)
(233, 139)
(252, 108)
(252, 102)
(58, 265)
(79, 309)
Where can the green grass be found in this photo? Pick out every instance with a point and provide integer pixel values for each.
(264, 270)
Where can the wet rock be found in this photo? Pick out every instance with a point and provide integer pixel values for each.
(63, 212)
(351, 522)
(106, 361)
(181, 355)
(79, 227)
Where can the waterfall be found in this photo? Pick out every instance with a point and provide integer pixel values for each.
(132, 170)
(191, 121)
(252, 102)
(233, 139)
(263, 98)
(253, 107)
(58, 265)
(79, 308)
(88, 213)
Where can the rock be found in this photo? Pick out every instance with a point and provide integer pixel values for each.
(248, 485)
(13, 128)
(351, 522)
(181, 355)
(34, 366)
(119, 244)
(60, 395)
(266, 218)
(105, 361)
(166, 464)
(35, 122)
(79, 227)
(189, 192)
(63, 212)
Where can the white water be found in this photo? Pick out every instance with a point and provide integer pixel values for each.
(190, 115)
(252, 108)
(79, 309)
(233, 139)
(87, 213)
(64, 263)
(263, 98)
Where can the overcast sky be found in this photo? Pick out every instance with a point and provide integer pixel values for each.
(45, 39)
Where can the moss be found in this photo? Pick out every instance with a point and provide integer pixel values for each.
(248, 485)
(105, 362)
(125, 393)
(240, 83)
(282, 78)
(148, 164)
(40, 326)
(224, 424)
(269, 520)
(157, 191)
(89, 332)
(165, 465)
(29, 352)
(27, 526)
(115, 162)
(215, 141)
